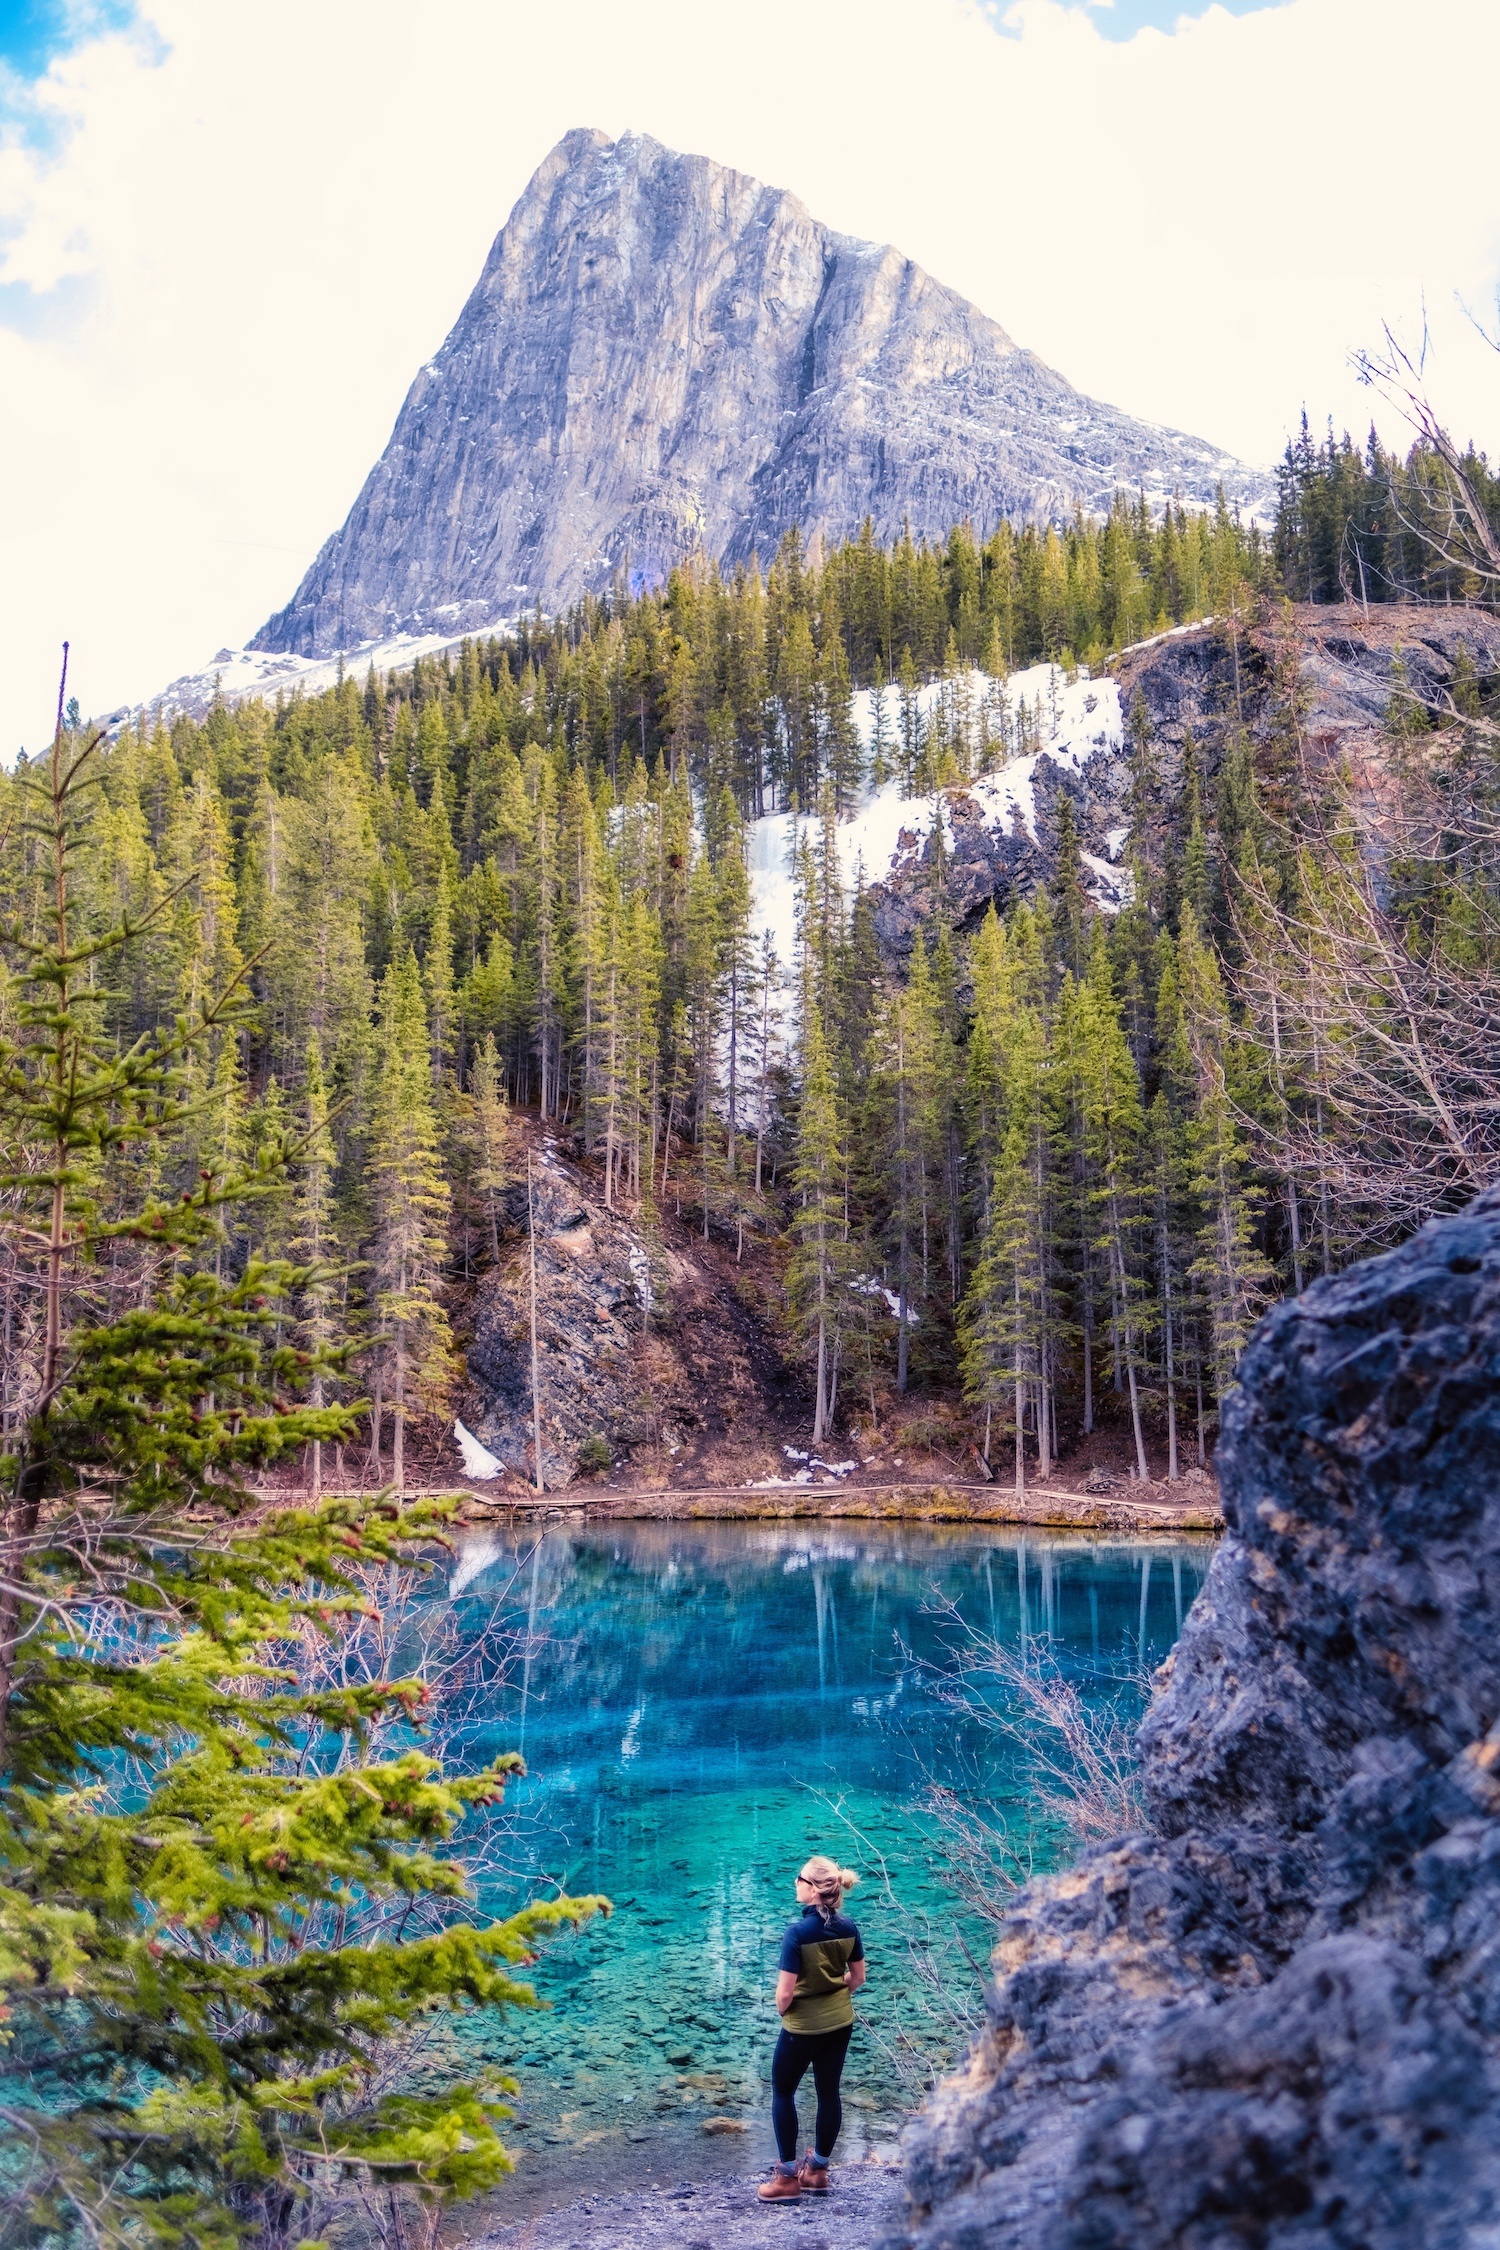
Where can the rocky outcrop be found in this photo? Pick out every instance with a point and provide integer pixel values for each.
(665, 357)
(1275, 2021)
(1206, 680)
(986, 858)
(593, 1279)
(647, 1352)
(1201, 682)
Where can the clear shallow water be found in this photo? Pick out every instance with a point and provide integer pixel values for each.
(700, 1706)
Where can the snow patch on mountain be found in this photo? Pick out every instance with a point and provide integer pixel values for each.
(1068, 721)
(235, 675)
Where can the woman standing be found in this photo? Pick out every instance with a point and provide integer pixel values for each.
(822, 1967)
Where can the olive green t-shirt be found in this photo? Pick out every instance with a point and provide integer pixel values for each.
(816, 1950)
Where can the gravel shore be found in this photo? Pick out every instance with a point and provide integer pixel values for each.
(865, 2209)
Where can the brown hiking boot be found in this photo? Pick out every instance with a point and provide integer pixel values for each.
(781, 2187)
(813, 2178)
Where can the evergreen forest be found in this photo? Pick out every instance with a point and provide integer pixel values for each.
(1079, 1150)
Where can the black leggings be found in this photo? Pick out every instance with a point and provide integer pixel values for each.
(824, 2051)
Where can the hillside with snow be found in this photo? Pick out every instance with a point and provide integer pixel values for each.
(1019, 740)
(234, 674)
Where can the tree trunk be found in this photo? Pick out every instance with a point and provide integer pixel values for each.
(536, 1388)
(377, 1409)
(1088, 1343)
(1020, 1396)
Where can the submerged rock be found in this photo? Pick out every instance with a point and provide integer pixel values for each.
(1276, 2020)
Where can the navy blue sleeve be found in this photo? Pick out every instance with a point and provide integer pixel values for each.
(859, 1945)
(791, 1951)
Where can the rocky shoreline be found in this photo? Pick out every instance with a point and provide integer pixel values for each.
(1273, 2019)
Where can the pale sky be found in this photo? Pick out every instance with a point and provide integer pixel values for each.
(231, 230)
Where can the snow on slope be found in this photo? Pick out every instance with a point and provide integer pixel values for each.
(237, 673)
(1065, 721)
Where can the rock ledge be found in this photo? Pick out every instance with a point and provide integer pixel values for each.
(1276, 2020)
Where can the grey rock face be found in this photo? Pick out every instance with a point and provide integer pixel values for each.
(984, 862)
(700, 1385)
(1276, 2021)
(1195, 682)
(664, 357)
(591, 1270)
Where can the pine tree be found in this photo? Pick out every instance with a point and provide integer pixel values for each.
(549, 957)
(412, 1204)
(197, 2029)
(843, 757)
(493, 1138)
(986, 1061)
(1166, 1158)
(639, 1051)
(1114, 1127)
(739, 968)
(1076, 1225)
(1005, 1323)
(437, 976)
(1231, 1269)
(588, 889)
(882, 739)
(797, 696)
(904, 1049)
(705, 990)
(767, 1051)
(314, 1240)
(927, 1088)
(817, 1272)
(913, 731)
(1067, 887)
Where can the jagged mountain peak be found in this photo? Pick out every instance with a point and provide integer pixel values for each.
(663, 356)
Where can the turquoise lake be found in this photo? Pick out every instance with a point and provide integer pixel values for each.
(699, 1707)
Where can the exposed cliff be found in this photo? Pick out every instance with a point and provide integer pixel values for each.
(663, 356)
(645, 1351)
(1276, 2020)
(996, 838)
(999, 836)
(1206, 680)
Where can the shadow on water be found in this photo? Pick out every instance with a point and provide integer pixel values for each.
(700, 1706)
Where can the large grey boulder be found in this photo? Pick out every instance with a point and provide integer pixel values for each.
(664, 357)
(1275, 2022)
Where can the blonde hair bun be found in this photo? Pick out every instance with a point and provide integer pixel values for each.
(826, 1875)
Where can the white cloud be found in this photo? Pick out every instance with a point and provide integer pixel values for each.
(246, 239)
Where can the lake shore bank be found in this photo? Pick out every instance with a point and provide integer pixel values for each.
(1044, 1508)
(1163, 1508)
